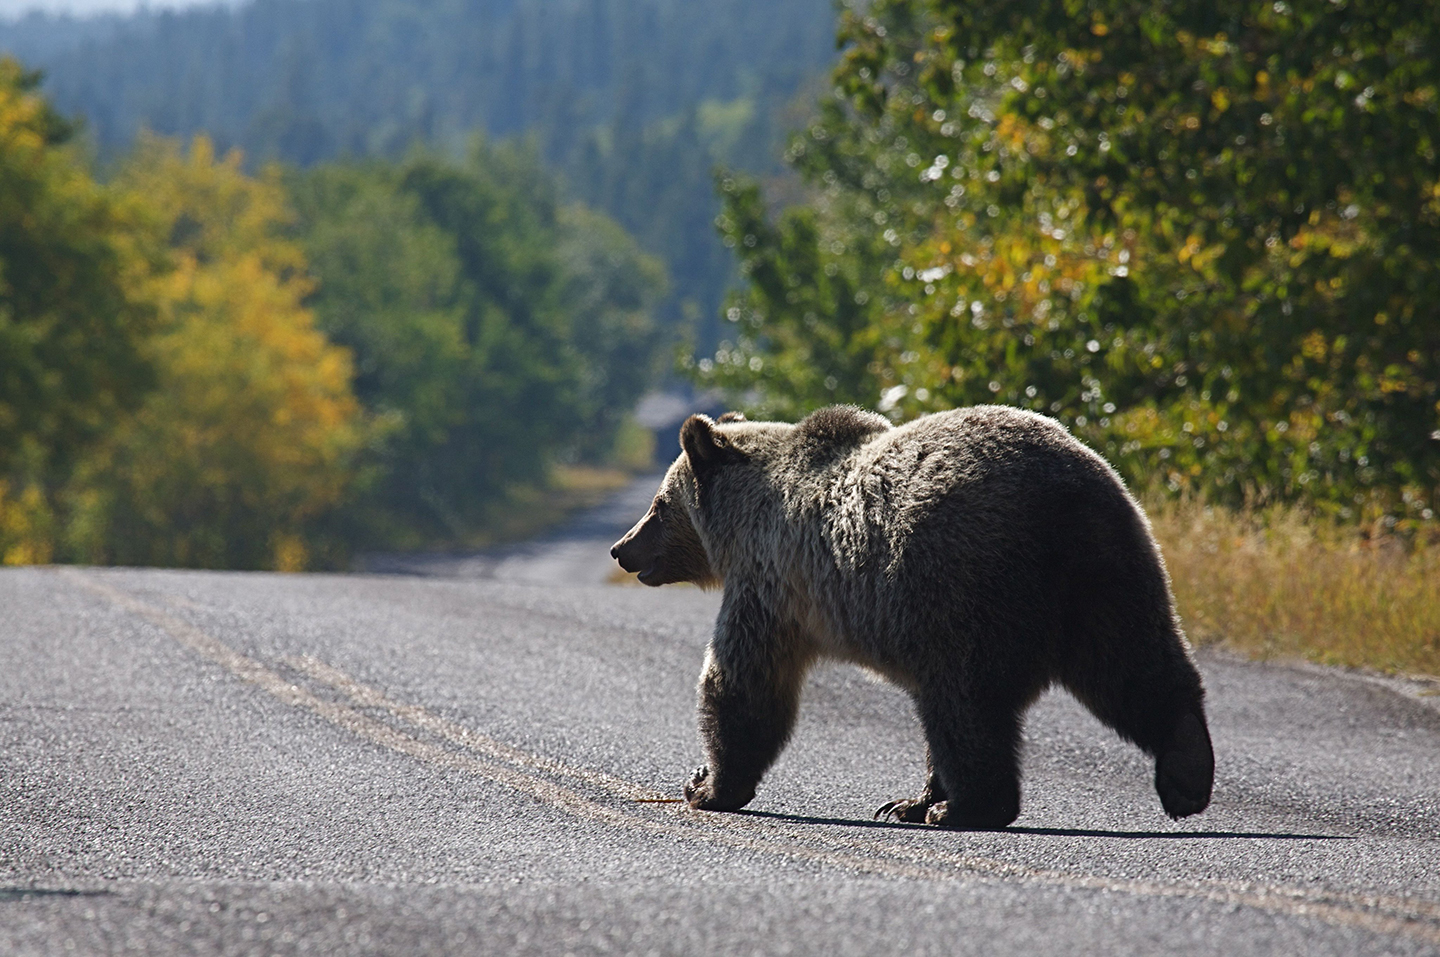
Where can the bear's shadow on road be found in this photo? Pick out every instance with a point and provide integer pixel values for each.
(1057, 831)
(8, 894)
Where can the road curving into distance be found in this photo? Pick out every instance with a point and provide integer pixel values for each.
(222, 763)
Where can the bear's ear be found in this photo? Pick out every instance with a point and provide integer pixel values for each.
(704, 446)
(732, 417)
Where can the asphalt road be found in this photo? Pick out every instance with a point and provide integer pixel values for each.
(200, 763)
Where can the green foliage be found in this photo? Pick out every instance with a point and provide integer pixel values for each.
(494, 331)
(656, 181)
(808, 325)
(610, 292)
(72, 319)
(1204, 235)
(388, 290)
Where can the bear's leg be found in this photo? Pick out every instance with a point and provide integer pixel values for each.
(747, 711)
(1156, 700)
(913, 810)
(975, 746)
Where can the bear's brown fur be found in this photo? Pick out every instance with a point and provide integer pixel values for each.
(973, 557)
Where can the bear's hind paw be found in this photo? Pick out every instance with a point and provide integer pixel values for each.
(1185, 770)
(909, 811)
(990, 818)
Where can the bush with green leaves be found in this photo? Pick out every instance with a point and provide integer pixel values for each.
(1205, 235)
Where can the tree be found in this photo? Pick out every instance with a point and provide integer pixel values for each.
(72, 258)
(246, 446)
(387, 287)
(495, 333)
(1204, 235)
(611, 292)
(609, 87)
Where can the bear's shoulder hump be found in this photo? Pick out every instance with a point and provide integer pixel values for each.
(840, 425)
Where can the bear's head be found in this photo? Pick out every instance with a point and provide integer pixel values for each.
(664, 546)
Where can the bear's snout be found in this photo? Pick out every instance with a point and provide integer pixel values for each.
(639, 550)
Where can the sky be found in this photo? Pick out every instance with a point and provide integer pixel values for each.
(13, 8)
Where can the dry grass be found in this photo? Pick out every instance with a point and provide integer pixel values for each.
(1278, 585)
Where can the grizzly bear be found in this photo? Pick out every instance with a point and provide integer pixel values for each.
(973, 557)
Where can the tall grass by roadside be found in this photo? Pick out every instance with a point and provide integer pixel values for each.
(1278, 584)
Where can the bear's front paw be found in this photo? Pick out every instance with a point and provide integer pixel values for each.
(702, 794)
(697, 789)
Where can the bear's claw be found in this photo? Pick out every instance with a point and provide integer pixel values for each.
(695, 786)
(906, 811)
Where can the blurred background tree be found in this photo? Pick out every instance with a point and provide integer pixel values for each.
(73, 317)
(1205, 236)
(494, 331)
(610, 291)
(247, 442)
(205, 367)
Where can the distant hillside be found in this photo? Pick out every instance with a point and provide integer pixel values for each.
(633, 100)
(36, 37)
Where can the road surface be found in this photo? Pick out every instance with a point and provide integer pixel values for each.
(208, 763)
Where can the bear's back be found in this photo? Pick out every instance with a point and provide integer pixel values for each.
(1001, 480)
(1009, 450)
(996, 455)
(953, 506)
